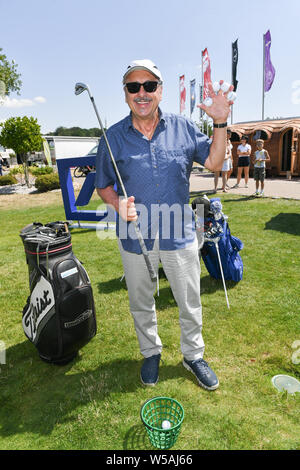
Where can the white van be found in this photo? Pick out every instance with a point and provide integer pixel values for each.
(5, 155)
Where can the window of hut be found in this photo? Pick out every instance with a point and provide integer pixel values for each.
(260, 134)
(234, 137)
(286, 151)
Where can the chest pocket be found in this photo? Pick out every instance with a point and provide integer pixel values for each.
(177, 164)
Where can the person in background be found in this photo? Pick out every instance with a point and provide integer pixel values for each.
(261, 156)
(227, 166)
(244, 152)
(229, 147)
(1, 163)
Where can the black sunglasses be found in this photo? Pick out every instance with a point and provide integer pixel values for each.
(149, 86)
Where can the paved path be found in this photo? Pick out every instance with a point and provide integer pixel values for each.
(274, 187)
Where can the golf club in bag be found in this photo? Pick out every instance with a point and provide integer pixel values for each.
(80, 88)
(59, 316)
(219, 249)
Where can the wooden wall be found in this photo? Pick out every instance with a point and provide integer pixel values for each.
(273, 146)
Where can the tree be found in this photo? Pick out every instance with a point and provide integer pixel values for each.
(76, 132)
(23, 135)
(206, 129)
(9, 75)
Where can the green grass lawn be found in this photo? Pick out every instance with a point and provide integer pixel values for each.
(94, 402)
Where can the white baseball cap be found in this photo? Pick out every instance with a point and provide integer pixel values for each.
(143, 64)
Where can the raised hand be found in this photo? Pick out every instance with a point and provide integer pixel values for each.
(219, 109)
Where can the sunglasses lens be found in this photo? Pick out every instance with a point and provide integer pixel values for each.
(133, 87)
(150, 87)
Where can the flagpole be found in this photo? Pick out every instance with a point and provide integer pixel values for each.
(263, 85)
(206, 115)
(231, 82)
(200, 110)
(179, 97)
(202, 84)
(190, 102)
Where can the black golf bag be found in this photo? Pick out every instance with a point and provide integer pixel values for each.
(59, 316)
(213, 227)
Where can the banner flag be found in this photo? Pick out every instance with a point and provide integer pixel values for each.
(182, 93)
(235, 58)
(206, 73)
(269, 73)
(47, 152)
(192, 94)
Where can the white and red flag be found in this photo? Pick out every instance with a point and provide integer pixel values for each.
(206, 73)
(182, 92)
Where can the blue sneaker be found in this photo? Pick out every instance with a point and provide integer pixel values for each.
(149, 370)
(203, 373)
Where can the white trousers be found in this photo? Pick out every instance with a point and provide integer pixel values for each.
(182, 268)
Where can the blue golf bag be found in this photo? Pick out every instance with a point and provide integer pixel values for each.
(215, 230)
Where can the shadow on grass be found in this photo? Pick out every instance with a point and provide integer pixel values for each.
(209, 285)
(243, 198)
(112, 285)
(165, 299)
(208, 192)
(116, 284)
(36, 397)
(247, 197)
(285, 223)
(137, 438)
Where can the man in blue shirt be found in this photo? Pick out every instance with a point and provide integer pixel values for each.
(154, 153)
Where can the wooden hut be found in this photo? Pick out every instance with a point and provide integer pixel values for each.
(282, 141)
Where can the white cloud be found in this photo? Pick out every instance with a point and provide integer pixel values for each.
(22, 102)
(40, 99)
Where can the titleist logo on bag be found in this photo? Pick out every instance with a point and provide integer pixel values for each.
(59, 315)
(41, 302)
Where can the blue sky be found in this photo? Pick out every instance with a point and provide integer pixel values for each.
(60, 42)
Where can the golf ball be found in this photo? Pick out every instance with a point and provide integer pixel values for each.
(166, 424)
(208, 102)
(216, 86)
(231, 96)
(225, 87)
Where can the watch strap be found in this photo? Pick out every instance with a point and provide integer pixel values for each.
(219, 126)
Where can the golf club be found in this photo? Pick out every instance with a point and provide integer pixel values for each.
(80, 88)
(222, 274)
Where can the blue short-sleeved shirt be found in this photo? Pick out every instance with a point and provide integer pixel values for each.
(156, 172)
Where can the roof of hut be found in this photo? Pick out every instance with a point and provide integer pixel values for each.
(269, 126)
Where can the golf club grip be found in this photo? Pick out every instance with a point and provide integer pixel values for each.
(145, 252)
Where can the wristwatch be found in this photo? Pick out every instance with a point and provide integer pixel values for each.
(219, 126)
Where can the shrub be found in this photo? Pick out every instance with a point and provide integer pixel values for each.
(17, 170)
(37, 171)
(49, 182)
(7, 179)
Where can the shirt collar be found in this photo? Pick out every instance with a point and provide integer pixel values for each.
(128, 119)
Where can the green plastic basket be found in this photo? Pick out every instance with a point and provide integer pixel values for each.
(154, 412)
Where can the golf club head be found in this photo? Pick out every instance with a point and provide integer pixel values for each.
(80, 88)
